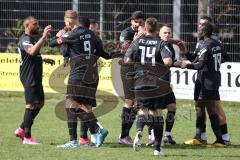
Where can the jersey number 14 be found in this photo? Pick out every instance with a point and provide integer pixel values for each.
(148, 52)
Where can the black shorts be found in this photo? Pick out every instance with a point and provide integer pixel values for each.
(197, 89)
(82, 93)
(33, 94)
(169, 99)
(217, 96)
(127, 82)
(158, 102)
(201, 93)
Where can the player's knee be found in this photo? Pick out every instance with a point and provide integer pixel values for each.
(128, 103)
(34, 105)
(70, 103)
(218, 104)
(172, 107)
(156, 113)
(222, 119)
(30, 106)
(142, 112)
(198, 110)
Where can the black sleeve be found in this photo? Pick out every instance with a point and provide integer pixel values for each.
(66, 38)
(203, 56)
(102, 53)
(166, 52)
(191, 56)
(197, 66)
(64, 50)
(126, 35)
(123, 36)
(26, 43)
(132, 49)
(225, 56)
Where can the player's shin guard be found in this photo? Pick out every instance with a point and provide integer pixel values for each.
(215, 126)
(170, 121)
(200, 124)
(28, 121)
(83, 129)
(22, 125)
(125, 121)
(158, 123)
(224, 131)
(141, 121)
(35, 112)
(150, 128)
(72, 123)
(91, 121)
(72, 127)
(132, 117)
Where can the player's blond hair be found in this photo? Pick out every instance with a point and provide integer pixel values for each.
(151, 24)
(71, 16)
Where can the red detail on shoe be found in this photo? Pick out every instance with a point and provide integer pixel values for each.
(84, 141)
(20, 133)
(29, 141)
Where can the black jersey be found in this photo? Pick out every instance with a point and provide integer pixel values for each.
(194, 56)
(84, 49)
(210, 55)
(148, 49)
(64, 49)
(30, 66)
(127, 34)
(167, 77)
(148, 53)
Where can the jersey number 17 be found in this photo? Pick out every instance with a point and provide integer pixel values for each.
(217, 61)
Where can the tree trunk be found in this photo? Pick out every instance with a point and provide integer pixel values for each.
(203, 8)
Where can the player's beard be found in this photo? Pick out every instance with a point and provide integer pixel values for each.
(35, 31)
(135, 29)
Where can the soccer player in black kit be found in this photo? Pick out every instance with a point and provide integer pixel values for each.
(93, 26)
(128, 113)
(200, 137)
(83, 48)
(165, 33)
(208, 77)
(151, 59)
(31, 75)
(170, 103)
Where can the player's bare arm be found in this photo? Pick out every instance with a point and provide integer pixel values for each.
(36, 48)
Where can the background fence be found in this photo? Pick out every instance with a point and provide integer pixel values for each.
(114, 15)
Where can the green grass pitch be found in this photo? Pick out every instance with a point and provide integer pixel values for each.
(51, 131)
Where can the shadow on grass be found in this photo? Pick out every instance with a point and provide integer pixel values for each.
(184, 146)
(116, 145)
(205, 156)
(176, 146)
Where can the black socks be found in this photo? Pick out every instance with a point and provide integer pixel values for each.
(83, 129)
(128, 117)
(215, 126)
(140, 122)
(28, 121)
(170, 121)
